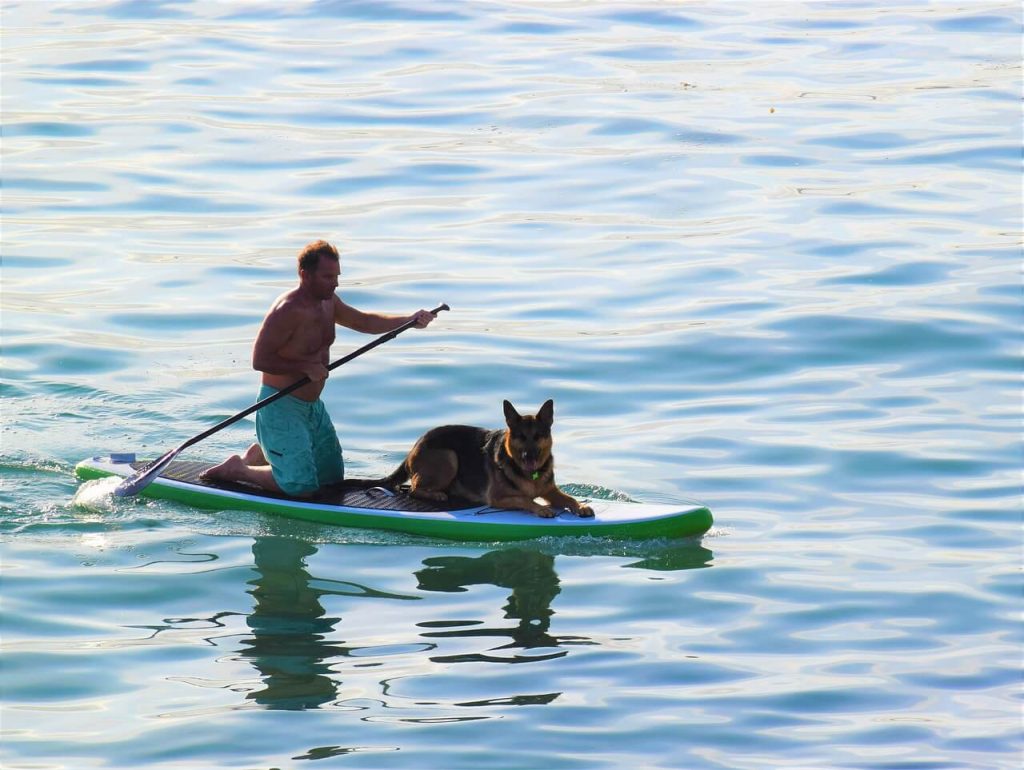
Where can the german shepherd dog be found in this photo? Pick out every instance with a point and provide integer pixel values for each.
(507, 468)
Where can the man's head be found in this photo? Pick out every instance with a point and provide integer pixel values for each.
(310, 256)
(319, 268)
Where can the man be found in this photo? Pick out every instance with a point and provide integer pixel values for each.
(298, 449)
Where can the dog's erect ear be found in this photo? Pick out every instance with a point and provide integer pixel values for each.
(511, 415)
(546, 414)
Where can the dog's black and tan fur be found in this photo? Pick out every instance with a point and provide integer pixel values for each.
(509, 468)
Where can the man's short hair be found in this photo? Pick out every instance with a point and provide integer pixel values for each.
(309, 257)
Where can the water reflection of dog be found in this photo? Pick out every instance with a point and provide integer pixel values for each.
(531, 576)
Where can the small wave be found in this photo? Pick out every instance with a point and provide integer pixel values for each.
(596, 492)
(10, 465)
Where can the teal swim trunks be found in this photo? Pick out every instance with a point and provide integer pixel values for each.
(300, 443)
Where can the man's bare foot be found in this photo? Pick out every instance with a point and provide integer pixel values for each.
(231, 469)
(236, 469)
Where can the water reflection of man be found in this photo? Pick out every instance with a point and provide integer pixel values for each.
(289, 644)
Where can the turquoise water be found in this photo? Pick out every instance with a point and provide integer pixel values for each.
(762, 255)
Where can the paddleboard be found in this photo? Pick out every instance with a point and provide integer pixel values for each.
(381, 509)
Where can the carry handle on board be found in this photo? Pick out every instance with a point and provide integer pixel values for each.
(142, 478)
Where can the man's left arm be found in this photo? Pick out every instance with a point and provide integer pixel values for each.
(375, 323)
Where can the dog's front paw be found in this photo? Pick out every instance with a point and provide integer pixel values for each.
(585, 512)
(546, 513)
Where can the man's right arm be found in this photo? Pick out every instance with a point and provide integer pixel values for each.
(277, 329)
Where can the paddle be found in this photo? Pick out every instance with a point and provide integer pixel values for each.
(142, 478)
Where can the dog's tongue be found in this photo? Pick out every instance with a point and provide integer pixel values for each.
(531, 463)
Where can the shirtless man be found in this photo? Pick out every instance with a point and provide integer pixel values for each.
(298, 449)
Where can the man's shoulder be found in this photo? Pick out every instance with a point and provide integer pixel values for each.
(344, 313)
(288, 305)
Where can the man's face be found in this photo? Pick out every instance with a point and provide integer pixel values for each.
(323, 281)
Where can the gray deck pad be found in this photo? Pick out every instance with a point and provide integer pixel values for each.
(189, 472)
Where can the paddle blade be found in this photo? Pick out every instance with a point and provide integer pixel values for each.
(142, 478)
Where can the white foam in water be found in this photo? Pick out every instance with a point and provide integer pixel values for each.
(97, 495)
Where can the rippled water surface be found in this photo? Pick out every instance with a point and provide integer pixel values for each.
(762, 255)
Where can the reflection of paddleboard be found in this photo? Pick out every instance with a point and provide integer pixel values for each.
(379, 509)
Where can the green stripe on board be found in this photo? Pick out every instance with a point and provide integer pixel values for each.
(687, 524)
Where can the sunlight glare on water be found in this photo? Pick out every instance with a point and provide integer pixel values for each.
(761, 255)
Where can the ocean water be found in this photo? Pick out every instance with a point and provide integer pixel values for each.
(762, 255)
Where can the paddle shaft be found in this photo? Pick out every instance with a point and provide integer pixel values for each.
(135, 483)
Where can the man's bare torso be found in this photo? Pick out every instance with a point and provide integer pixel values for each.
(307, 332)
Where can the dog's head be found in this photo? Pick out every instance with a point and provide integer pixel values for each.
(528, 438)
